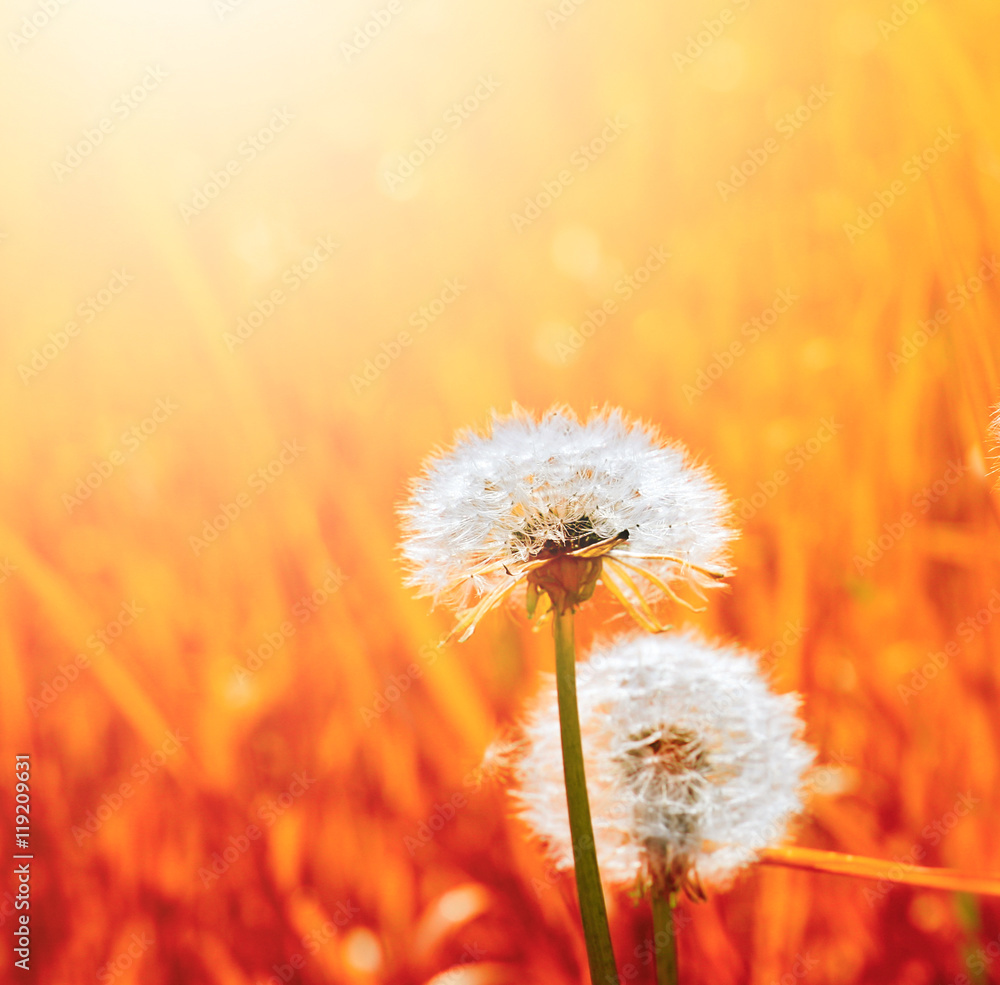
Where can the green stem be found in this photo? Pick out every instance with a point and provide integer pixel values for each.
(665, 937)
(588, 879)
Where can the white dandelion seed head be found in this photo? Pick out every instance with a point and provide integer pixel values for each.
(693, 763)
(529, 486)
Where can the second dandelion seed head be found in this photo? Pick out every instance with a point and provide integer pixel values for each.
(693, 763)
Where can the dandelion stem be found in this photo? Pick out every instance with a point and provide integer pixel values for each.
(588, 880)
(664, 937)
(838, 863)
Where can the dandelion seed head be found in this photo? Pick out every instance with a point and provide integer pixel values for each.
(693, 763)
(531, 489)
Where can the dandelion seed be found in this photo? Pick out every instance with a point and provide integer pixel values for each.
(555, 506)
(693, 764)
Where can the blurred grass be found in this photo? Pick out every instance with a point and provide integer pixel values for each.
(349, 854)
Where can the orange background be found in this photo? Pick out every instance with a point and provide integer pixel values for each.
(339, 872)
